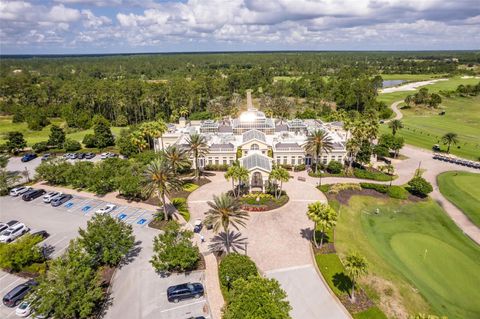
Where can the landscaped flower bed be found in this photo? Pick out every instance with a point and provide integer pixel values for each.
(261, 202)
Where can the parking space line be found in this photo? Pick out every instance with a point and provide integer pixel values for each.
(57, 253)
(4, 276)
(119, 211)
(79, 205)
(133, 216)
(58, 241)
(14, 312)
(185, 305)
(7, 286)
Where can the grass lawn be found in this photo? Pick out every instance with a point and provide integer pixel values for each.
(419, 261)
(463, 190)
(33, 137)
(411, 77)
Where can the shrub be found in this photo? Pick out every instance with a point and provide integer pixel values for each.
(216, 167)
(55, 171)
(235, 266)
(71, 145)
(336, 188)
(419, 186)
(299, 167)
(397, 192)
(40, 147)
(21, 253)
(180, 204)
(286, 166)
(334, 167)
(378, 187)
(251, 198)
(374, 175)
(89, 140)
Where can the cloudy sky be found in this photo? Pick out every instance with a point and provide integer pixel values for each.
(111, 26)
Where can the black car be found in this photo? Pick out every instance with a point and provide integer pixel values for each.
(28, 157)
(81, 155)
(31, 195)
(89, 155)
(61, 199)
(184, 291)
(14, 296)
(42, 233)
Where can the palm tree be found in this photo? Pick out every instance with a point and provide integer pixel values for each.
(197, 146)
(230, 174)
(154, 129)
(449, 139)
(317, 143)
(279, 174)
(176, 157)
(322, 215)
(160, 179)
(355, 266)
(225, 211)
(242, 175)
(138, 140)
(395, 125)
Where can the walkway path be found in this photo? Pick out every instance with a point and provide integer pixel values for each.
(398, 114)
(278, 242)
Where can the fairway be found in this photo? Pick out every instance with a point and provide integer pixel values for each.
(425, 127)
(463, 190)
(416, 248)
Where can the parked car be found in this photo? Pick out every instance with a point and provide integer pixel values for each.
(5, 226)
(23, 309)
(14, 296)
(19, 190)
(80, 155)
(42, 233)
(47, 198)
(107, 209)
(28, 196)
(13, 233)
(45, 157)
(197, 225)
(28, 157)
(184, 291)
(61, 199)
(89, 155)
(436, 147)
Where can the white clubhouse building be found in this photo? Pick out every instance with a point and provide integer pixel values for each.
(263, 142)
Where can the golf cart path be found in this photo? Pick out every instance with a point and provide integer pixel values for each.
(278, 242)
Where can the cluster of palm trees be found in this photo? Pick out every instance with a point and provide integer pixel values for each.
(161, 175)
(237, 174)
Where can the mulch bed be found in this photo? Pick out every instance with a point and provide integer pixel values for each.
(328, 248)
(271, 205)
(158, 224)
(362, 302)
(343, 197)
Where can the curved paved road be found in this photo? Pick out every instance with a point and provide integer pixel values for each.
(278, 243)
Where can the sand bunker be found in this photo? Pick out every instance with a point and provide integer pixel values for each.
(410, 86)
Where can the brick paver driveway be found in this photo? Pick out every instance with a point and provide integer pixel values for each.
(278, 243)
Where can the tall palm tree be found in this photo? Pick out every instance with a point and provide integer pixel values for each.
(138, 140)
(242, 175)
(322, 215)
(317, 143)
(279, 174)
(231, 174)
(154, 129)
(176, 157)
(449, 139)
(197, 146)
(355, 266)
(225, 211)
(395, 125)
(160, 180)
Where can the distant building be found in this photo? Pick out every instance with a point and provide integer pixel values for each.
(258, 141)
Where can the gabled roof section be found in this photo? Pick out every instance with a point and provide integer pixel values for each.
(256, 160)
(253, 134)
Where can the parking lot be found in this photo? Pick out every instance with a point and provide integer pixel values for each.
(137, 290)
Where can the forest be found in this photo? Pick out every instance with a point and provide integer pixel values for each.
(130, 89)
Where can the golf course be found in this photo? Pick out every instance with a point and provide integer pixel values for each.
(463, 190)
(419, 261)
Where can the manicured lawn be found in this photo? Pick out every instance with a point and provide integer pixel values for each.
(33, 137)
(416, 249)
(463, 190)
(333, 272)
(372, 313)
(411, 77)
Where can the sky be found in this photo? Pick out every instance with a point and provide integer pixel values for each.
(135, 26)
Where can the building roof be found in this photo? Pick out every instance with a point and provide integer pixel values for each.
(338, 146)
(257, 160)
(253, 134)
(222, 147)
(225, 129)
(288, 146)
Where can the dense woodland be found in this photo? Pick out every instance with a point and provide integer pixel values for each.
(129, 89)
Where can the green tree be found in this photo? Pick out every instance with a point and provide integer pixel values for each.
(225, 211)
(317, 143)
(54, 171)
(395, 125)
(173, 250)
(177, 158)
(323, 216)
(103, 134)
(15, 142)
(236, 173)
(126, 145)
(197, 147)
(71, 288)
(56, 137)
(235, 266)
(71, 145)
(419, 186)
(355, 267)
(279, 174)
(449, 139)
(334, 167)
(22, 252)
(130, 185)
(79, 174)
(106, 239)
(7, 180)
(121, 120)
(257, 297)
(160, 180)
(40, 147)
(89, 140)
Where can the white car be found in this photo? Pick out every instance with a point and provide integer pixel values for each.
(107, 209)
(104, 155)
(47, 198)
(19, 190)
(23, 309)
(13, 233)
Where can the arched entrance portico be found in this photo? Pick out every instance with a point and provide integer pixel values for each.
(257, 180)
